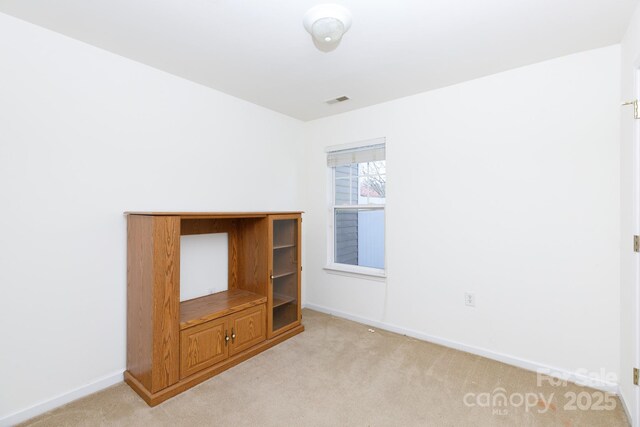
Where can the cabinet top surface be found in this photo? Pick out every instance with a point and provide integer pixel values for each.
(212, 214)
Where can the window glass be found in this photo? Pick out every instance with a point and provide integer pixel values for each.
(359, 232)
(359, 237)
(359, 179)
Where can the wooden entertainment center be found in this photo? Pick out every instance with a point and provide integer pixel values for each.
(174, 345)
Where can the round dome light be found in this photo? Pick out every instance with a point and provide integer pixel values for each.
(327, 23)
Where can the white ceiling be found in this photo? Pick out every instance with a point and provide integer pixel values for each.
(258, 50)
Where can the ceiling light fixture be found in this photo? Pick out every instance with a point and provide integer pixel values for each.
(327, 23)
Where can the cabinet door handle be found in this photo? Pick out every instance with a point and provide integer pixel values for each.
(233, 336)
(226, 338)
(271, 275)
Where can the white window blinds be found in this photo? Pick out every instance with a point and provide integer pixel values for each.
(362, 154)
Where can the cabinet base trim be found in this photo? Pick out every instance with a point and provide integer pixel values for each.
(153, 399)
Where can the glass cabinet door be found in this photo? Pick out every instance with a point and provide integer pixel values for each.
(285, 274)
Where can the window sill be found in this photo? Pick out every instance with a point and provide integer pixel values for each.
(357, 271)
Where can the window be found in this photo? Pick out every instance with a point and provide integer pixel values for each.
(358, 195)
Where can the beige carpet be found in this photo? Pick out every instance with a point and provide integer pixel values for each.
(337, 373)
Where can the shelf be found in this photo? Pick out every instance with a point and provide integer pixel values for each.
(199, 310)
(213, 214)
(285, 315)
(292, 245)
(288, 273)
(285, 232)
(280, 299)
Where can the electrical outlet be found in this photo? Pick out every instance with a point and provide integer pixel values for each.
(470, 299)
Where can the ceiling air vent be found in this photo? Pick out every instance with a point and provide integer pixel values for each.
(338, 99)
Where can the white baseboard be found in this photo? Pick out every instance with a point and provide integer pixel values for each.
(62, 399)
(117, 377)
(626, 410)
(489, 354)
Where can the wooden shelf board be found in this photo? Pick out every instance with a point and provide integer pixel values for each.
(199, 310)
(282, 322)
(290, 245)
(212, 214)
(288, 273)
(280, 299)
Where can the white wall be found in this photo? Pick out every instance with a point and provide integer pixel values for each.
(630, 222)
(84, 136)
(506, 186)
(204, 265)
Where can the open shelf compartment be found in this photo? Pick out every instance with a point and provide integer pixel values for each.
(199, 310)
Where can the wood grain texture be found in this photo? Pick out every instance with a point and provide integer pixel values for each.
(249, 327)
(140, 298)
(270, 291)
(252, 256)
(203, 309)
(156, 398)
(166, 302)
(190, 226)
(159, 326)
(213, 214)
(233, 254)
(202, 346)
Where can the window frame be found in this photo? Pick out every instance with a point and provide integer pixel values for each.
(348, 269)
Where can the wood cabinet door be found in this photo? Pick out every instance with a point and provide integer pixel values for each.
(247, 328)
(203, 346)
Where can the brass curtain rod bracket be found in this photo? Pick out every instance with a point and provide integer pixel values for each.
(636, 114)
